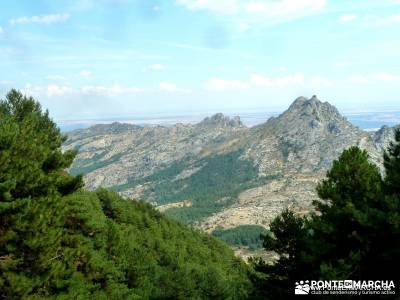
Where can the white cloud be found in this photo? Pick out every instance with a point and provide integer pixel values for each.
(156, 67)
(51, 90)
(393, 19)
(166, 86)
(43, 19)
(320, 81)
(283, 7)
(243, 26)
(114, 90)
(255, 81)
(388, 20)
(387, 77)
(85, 73)
(55, 78)
(262, 81)
(258, 11)
(85, 5)
(1, 30)
(259, 80)
(57, 90)
(347, 18)
(220, 6)
(382, 76)
(256, 7)
(32, 90)
(224, 84)
(341, 64)
(358, 79)
(172, 87)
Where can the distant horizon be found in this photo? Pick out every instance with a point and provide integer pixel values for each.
(99, 58)
(371, 119)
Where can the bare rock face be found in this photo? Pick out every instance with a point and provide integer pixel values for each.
(219, 120)
(384, 136)
(113, 154)
(291, 152)
(298, 146)
(306, 138)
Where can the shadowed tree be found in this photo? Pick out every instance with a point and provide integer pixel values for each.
(32, 181)
(58, 241)
(354, 233)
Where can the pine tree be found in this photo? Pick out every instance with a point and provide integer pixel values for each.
(58, 241)
(392, 166)
(354, 232)
(386, 254)
(351, 200)
(32, 181)
(287, 237)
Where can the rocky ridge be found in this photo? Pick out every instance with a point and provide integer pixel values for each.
(291, 152)
(114, 154)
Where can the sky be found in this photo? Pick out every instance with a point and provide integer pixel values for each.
(112, 58)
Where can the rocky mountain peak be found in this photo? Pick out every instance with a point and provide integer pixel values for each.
(273, 165)
(220, 120)
(384, 136)
(112, 128)
(311, 114)
(298, 102)
(310, 131)
(307, 137)
(313, 107)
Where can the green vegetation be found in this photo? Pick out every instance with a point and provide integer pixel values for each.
(96, 162)
(354, 234)
(60, 242)
(244, 235)
(288, 146)
(216, 184)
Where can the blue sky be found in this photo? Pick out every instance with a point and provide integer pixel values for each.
(111, 58)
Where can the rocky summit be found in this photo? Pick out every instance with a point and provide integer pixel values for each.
(220, 173)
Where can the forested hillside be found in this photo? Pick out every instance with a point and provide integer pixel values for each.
(354, 233)
(59, 241)
(245, 235)
(219, 173)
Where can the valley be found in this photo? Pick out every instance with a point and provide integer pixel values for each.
(218, 173)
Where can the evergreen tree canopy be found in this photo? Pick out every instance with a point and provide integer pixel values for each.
(288, 235)
(354, 232)
(60, 242)
(32, 181)
(349, 216)
(31, 161)
(392, 166)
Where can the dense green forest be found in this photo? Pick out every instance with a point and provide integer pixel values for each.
(59, 241)
(216, 185)
(245, 235)
(354, 232)
(93, 163)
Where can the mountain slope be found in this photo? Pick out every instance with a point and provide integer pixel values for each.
(219, 173)
(126, 249)
(58, 241)
(118, 153)
(305, 138)
(296, 148)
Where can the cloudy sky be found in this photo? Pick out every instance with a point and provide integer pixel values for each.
(106, 58)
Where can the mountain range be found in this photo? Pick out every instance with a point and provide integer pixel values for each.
(219, 173)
